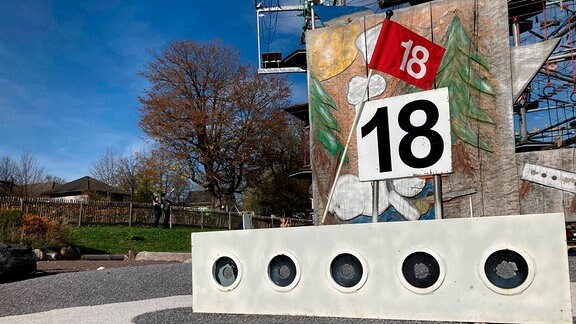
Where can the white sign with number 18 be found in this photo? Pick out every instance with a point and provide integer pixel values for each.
(405, 136)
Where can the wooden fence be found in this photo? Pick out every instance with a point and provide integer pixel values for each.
(80, 213)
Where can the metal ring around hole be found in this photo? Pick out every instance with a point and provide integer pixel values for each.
(296, 276)
(238, 274)
(548, 91)
(507, 291)
(363, 265)
(441, 270)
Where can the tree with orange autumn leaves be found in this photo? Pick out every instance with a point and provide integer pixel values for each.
(218, 119)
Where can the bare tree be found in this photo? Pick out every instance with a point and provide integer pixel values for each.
(129, 167)
(106, 169)
(28, 172)
(210, 113)
(55, 179)
(8, 169)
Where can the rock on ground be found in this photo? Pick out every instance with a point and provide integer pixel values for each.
(16, 261)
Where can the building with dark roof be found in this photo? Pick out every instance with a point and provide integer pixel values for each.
(6, 188)
(199, 199)
(82, 188)
(40, 189)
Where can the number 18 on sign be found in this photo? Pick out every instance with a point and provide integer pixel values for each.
(405, 136)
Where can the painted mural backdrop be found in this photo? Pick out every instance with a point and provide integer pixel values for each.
(475, 69)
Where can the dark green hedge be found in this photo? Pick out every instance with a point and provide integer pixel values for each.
(10, 222)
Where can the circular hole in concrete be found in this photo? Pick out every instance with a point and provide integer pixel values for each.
(346, 270)
(506, 269)
(282, 270)
(421, 269)
(225, 271)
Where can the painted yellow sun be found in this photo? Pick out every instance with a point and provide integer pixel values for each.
(332, 52)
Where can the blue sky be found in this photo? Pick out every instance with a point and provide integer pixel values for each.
(68, 70)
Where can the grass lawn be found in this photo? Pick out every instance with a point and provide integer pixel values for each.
(120, 239)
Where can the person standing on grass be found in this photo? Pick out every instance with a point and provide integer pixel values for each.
(165, 203)
(285, 222)
(157, 208)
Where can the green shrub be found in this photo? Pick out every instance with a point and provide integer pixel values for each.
(130, 236)
(10, 224)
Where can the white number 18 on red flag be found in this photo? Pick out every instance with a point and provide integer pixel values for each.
(406, 55)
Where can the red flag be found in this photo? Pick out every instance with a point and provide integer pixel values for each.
(406, 55)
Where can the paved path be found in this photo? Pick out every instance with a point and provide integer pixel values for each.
(108, 313)
(146, 294)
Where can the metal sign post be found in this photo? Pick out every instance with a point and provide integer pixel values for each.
(439, 210)
(375, 198)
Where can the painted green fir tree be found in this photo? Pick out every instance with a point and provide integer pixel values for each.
(459, 72)
(325, 127)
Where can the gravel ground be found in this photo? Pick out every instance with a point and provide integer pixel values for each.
(95, 288)
(138, 283)
(56, 267)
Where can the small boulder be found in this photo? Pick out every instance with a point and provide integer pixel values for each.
(16, 262)
(70, 253)
(131, 255)
(40, 255)
(53, 255)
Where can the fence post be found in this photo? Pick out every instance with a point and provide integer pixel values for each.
(80, 215)
(202, 220)
(229, 220)
(130, 216)
(22, 204)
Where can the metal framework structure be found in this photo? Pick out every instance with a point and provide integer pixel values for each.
(272, 62)
(545, 114)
